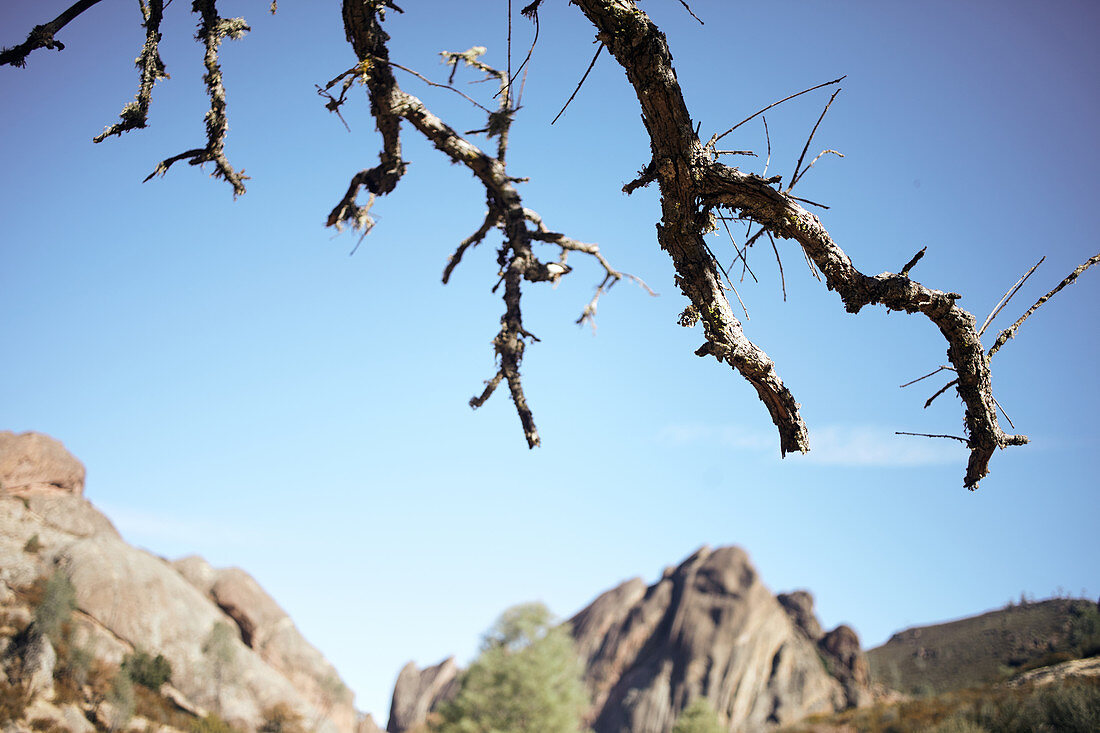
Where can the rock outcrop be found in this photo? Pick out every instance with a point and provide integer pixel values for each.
(36, 461)
(268, 630)
(418, 691)
(708, 628)
(127, 599)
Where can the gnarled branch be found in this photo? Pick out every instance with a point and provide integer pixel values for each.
(515, 257)
(42, 36)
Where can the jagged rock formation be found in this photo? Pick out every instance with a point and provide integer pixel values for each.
(708, 628)
(128, 599)
(418, 691)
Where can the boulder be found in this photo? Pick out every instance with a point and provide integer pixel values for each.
(37, 461)
(799, 605)
(848, 663)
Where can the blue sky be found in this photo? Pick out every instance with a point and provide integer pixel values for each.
(241, 388)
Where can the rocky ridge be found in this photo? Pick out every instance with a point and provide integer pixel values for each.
(127, 600)
(708, 628)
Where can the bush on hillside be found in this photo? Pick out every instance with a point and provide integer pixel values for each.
(146, 670)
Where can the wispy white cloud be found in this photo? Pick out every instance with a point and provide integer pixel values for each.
(864, 445)
(732, 436)
(838, 445)
(162, 533)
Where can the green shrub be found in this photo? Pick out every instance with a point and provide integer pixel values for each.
(33, 545)
(1067, 707)
(146, 670)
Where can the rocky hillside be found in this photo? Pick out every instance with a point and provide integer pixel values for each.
(988, 648)
(708, 628)
(230, 649)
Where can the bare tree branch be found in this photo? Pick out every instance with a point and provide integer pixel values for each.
(929, 435)
(212, 30)
(135, 115)
(693, 182)
(515, 257)
(913, 263)
(42, 36)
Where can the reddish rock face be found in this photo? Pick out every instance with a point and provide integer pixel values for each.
(31, 461)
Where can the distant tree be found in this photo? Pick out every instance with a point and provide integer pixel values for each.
(526, 680)
(697, 189)
(698, 717)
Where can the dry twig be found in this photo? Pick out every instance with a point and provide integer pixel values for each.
(1010, 332)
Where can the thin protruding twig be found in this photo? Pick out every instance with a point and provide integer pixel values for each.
(911, 264)
(811, 265)
(798, 175)
(534, 15)
(1009, 419)
(926, 376)
(768, 137)
(728, 280)
(735, 152)
(1008, 296)
(807, 201)
(579, 84)
(507, 89)
(782, 279)
(942, 389)
(930, 435)
(1010, 332)
(693, 15)
(739, 251)
(429, 82)
(492, 218)
(716, 138)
